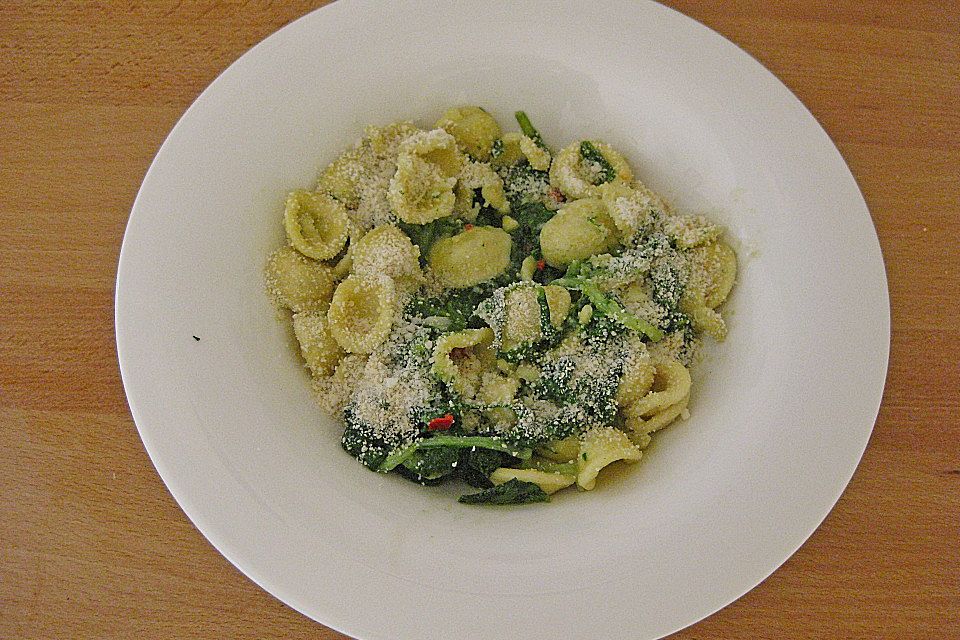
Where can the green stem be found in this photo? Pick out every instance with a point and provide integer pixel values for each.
(591, 154)
(609, 307)
(400, 456)
(528, 129)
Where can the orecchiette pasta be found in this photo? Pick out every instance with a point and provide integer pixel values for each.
(333, 392)
(579, 230)
(509, 152)
(560, 450)
(537, 156)
(714, 269)
(387, 250)
(515, 146)
(343, 266)
(473, 128)
(316, 224)
(719, 264)
(470, 257)
(342, 178)
(527, 372)
(298, 283)
(691, 231)
(549, 482)
(459, 359)
(464, 206)
(671, 383)
(419, 191)
(383, 139)
(576, 179)
(600, 447)
(558, 304)
(479, 175)
(361, 312)
(703, 318)
(642, 428)
(630, 208)
(319, 349)
(522, 313)
(638, 374)
(496, 388)
(436, 147)
(527, 268)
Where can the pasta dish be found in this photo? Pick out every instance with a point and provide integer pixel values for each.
(479, 307)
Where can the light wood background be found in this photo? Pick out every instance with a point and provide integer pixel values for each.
(93, 546)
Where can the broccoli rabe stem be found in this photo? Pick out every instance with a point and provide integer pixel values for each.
(592, 155)
(463, 442)
(607, 306)
(528, 129)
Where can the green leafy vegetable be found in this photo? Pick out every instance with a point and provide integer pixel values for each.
(667, 283)
(358, 440)
(584, 400)
(526, 238)
(532, 215)
(455, 305)
(522, 183)
(592, 155)
(512, 492)
(432, 464)
(401, 455)
(421, 480)
(601, 329)
(476, 465)
(425, 235)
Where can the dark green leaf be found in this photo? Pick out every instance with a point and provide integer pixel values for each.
(522, 183)
(512, 492)
(359, 441)
(526, 238)
(431, 464)
(457, 305)
(425, 235)
(415, 477)
(476, 465)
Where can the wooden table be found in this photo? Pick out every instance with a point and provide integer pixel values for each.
(93, 546)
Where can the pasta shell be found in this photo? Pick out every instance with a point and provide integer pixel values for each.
(316, 224)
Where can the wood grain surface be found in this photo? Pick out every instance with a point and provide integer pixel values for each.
(93, 546)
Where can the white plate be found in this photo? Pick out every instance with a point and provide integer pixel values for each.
(781, 414)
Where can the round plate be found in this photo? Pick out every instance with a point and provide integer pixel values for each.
(781, 411)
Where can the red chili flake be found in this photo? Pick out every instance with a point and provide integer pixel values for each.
(440, 424)
(468, 226)
(541, 264)
(556, 195)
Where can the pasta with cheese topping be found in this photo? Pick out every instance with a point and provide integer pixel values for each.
(477, 307)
